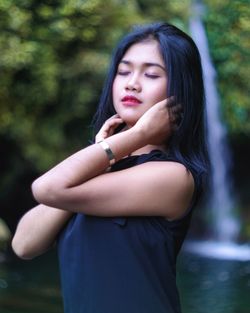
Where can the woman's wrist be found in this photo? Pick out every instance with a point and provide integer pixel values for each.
(110, 155)
(126, 142)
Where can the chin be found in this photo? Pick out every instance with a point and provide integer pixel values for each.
(130, 121)
(129, 116)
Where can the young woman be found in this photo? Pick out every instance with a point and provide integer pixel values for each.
(120, 208)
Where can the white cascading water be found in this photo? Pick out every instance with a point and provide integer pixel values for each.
(225, 225)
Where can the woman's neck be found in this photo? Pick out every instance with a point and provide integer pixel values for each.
(149, 148)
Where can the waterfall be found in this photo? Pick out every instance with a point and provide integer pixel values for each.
(224, 223)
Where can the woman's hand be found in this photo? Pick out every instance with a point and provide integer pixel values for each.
(108, 128)
(158, 123)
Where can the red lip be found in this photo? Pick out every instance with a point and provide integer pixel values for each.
(131, 100)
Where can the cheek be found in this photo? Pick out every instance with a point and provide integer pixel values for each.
(159, 93)
(115, 90)
(163, 90)
(115, 97)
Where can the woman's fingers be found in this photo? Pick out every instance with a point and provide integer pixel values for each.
(108, 127)
(175, 111)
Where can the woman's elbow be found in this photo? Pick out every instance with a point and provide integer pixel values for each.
(38, 190)
(21, 249)
(43, 193)
(53, 195)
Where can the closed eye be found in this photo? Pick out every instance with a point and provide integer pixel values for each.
(153, 76)
(123, 73)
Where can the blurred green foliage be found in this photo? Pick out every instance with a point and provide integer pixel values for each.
(53, 60)
(228, 28)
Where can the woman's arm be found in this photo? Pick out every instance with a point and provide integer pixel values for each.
(37, 230)
(156, 188)
(92, 161)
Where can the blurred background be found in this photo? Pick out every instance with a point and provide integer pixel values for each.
(53, 60)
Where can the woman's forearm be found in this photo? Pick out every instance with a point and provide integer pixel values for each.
(83, 165)
(37, 230)
(56, 187)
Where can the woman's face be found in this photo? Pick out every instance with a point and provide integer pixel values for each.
(140, 82)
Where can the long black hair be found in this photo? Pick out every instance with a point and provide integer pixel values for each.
(185, 83)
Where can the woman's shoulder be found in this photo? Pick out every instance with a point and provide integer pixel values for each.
(183, 173)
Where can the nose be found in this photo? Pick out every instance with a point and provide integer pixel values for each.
(133, 83)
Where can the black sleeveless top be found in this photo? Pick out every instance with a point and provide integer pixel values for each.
(123, 264)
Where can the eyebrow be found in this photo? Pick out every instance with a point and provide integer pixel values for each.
(147, 64)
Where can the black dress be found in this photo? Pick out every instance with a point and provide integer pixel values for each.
(123, 265)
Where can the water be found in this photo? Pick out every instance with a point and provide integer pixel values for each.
(206, 285)
(211, 285)
(225, 225)
(220, 250)
(30, 286)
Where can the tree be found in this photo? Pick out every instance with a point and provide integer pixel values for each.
(228, 28)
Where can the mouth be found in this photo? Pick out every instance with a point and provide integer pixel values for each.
(130, 101)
